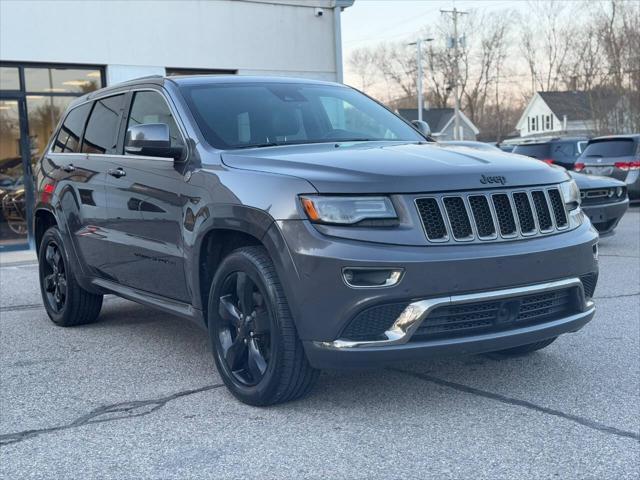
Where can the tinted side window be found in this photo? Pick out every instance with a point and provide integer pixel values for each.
(151, 107)
(101, 135)
(68, 138)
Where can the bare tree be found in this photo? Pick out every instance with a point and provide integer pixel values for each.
(363, 63)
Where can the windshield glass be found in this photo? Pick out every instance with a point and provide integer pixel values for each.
(248, 115)
(621, 147)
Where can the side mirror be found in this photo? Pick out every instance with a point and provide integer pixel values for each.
(422, 127)
(151, 139)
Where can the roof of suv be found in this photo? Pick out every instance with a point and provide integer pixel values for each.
(200, 80)
(553, 140)
(632, 136)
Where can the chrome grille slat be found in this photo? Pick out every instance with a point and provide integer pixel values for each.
(494, 215)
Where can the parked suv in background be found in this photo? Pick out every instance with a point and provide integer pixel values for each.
(617, 156)
(304, 226)
(558, 151)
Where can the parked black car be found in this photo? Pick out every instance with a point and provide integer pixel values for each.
(304, 226)
(604, 200)
(563, 151)
(616, 156)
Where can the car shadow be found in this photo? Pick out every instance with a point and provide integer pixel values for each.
(364, 389)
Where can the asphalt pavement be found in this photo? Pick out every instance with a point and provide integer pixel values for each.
(137, 396)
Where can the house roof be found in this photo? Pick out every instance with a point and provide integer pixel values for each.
(579, 105)
(437, 118)
(575, 105)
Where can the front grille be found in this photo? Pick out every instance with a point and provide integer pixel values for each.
(505, 214)
(496, 315)
(542, 209)
(492, 216)
(458, 218)
(600, 196)
(557, 205)
(432, 219)
(370, 324)
(482, 215)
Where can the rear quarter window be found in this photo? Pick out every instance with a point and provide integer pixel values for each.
(101, 135)
(619, 147)
(68, 138)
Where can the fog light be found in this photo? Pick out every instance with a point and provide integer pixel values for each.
(371, 277)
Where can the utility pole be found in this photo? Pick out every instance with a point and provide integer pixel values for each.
(456, 72)
(418, 44)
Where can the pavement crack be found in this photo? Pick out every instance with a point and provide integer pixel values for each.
(618, 296)
(107, 413)
(16, 308)
(523, 403)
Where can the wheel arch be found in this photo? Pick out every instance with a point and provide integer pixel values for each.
(216, 239)
(44, 219)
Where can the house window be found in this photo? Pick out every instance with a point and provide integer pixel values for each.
(547, 122)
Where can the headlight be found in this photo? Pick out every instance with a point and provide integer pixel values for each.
(570, 194)
(619, 192)
(349, 210)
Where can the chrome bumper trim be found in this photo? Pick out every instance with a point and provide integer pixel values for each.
(415, 313)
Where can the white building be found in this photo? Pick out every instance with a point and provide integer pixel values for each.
(573, 112)
(53, 51)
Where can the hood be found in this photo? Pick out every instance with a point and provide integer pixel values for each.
(594, 181)
(383, 167)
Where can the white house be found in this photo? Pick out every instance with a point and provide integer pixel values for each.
(573, 112)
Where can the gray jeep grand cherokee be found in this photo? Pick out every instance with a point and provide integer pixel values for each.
(305, 227)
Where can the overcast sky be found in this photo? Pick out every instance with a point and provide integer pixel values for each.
(368, 22)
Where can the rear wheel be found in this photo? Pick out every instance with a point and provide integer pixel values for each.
(255, 343)
(525, 349)
(66, 302)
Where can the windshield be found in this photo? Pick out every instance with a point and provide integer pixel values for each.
(249, 115)
(621, 147)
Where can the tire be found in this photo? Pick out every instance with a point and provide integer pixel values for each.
(254, 340)
(65, 301)
(525, 349)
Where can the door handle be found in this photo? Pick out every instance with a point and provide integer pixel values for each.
(117, 172)
(69, 168)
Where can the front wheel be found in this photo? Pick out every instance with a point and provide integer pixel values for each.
(255, 343)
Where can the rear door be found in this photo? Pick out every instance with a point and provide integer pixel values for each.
(98, 143)
(146, 200)
(80, 182)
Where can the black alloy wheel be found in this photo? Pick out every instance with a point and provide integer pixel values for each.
(66, 302)
(54, 277)
(253, 336)
(244, 333)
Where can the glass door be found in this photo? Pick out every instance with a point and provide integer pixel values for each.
(14, 225)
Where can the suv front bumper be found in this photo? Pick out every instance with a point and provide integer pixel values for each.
(397, 345)
(322, 304)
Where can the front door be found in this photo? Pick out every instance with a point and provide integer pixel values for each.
(146, 199)
(15, 176)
